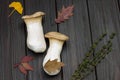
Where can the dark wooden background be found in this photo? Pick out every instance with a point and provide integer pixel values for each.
(91, 19)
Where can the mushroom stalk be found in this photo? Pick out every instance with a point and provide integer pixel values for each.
(54, 50)
(56, 41)
(35, 34)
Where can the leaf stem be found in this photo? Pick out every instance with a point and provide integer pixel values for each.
(11, 12)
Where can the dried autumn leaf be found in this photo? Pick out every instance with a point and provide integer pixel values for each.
(22, 69)
(26, 59)
(24, 66)
(27, 66)
(52, 66)
(64, 14)
(16, 65)
(17, 6)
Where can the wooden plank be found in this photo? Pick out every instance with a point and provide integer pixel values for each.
(104, 17)
(118, 1)
(47, 6)
(77, 28)
(4, 44)
(17, 40)
(12, 42)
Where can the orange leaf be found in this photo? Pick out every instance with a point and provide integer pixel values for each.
(52, 66)
(22, 69)
(17, 6)
(27, 66)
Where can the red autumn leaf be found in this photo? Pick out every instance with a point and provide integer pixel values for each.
(16, 65)
(64, 14)
(22, 69)
(27, 66)
(26, 59)
(24, 66)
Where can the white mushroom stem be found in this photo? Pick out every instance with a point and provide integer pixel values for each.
(53, 53)
(35, 34)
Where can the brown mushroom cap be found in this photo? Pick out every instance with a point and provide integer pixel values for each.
(56, 35)
(36, 14)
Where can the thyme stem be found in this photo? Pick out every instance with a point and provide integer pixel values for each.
(87, 66)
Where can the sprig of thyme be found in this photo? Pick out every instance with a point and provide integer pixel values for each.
(94, 45)
(92, 48)
(90, 52)
(87, 66)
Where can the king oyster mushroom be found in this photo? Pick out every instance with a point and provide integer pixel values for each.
(35, 35)
(56, 41)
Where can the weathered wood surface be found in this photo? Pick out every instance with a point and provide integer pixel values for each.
(91, 18)
(105, 17)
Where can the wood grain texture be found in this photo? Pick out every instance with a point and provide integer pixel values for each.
(5, 57)
(12, 41)
(104, 17)
(47, 6)
(17, 40)
(118, 1)
(78, 30)
(91, 18)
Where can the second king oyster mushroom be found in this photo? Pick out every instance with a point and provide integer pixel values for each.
(56, 41)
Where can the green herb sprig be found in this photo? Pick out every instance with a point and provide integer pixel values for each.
(88, 64)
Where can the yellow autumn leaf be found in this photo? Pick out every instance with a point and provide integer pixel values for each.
(17, 6)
